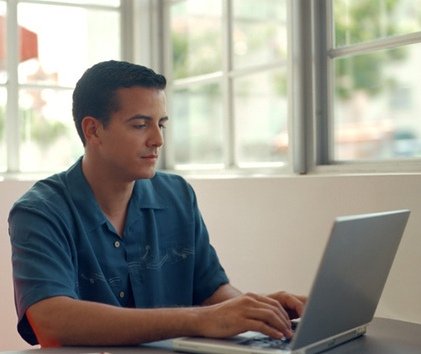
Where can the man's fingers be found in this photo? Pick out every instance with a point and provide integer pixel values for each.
(293, 304)
(266, 329)
(269, 319)
(269, 314)
(269, 301)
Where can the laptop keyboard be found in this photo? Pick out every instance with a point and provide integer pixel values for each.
(262, 341)
(267, 342)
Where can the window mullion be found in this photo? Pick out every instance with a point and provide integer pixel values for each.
(127, 30)
(230, 159)
(300, 83)
(13, 121)
(161, 57)
(323, 76)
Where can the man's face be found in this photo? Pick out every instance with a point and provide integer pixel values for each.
(131, 142)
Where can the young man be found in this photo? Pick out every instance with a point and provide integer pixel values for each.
(111, 252)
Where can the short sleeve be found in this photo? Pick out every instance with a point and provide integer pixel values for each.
(42, 261)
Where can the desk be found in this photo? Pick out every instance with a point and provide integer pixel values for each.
(384, 336)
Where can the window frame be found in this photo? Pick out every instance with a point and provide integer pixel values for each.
(12, 85)
(310, 95)
(144, 29)
(325, 53)
(230, 163)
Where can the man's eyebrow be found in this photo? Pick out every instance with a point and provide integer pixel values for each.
(143, 117)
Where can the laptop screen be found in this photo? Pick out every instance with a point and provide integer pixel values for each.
(351, 275)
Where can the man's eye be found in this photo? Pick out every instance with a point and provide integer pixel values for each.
(139, 126)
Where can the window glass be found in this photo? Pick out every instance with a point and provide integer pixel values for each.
(198, 128)
(3, 92)
(113, 3)
(377, 106)
(196, 38)
(243, 123)
(57, 44)
(3, 98)
(259, 32)
(261, 117)
(364, 20)
(48, 136)
(61, 42)
(3, 76)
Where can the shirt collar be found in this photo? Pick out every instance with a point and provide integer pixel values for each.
(144, 196)
(83, 197)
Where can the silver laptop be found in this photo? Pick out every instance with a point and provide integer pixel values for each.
(344, 296)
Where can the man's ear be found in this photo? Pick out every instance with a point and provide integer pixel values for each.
(90, 126)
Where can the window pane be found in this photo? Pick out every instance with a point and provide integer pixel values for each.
(113, 3)
(377, 106)
(61, 42)
(48, 136)
(259, 32)
(3, 98)
(196, 37)
(3, 76)
(261, 117)
(364, 20)
(198, 125)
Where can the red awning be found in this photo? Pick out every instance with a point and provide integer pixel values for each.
(28, 43)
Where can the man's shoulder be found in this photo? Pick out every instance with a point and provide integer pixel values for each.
(45, 191)
(52, 190)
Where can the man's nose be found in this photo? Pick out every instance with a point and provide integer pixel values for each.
(157, 137)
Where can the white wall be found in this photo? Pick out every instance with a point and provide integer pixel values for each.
(9, 338)
(270, 233)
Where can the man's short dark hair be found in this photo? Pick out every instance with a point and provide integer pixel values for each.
(95, 92)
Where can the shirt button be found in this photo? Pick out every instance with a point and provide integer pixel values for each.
(117, 244)
(121, 294)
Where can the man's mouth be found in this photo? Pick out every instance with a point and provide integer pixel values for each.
(152, 156)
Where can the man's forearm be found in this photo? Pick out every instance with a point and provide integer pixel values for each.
(223, 293)
(63, 321)
(60, 321)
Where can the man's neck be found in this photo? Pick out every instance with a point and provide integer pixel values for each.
(111, 194)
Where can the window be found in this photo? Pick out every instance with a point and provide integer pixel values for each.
(374, 53)
(227, 69)
(304, 83)
(45, 47)
(268, 85)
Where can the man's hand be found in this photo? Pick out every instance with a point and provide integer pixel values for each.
(293, 304)
(249, 312)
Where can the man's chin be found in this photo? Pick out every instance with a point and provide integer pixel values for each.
(146, 174)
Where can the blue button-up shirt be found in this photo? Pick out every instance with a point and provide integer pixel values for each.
(63, 245)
